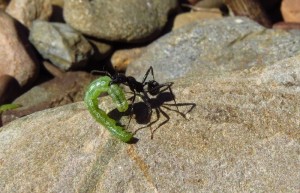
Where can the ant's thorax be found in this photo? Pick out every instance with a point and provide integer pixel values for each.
(134, 85)
(153, 87)
(130, 81)
(118, 79)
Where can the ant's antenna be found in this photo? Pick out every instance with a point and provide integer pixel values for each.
(94, 72)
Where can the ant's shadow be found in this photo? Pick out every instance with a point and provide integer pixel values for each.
(158, 105)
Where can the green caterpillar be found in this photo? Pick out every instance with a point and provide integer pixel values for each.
(7, 107)
(97, 87)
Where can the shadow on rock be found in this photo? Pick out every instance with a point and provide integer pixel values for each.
(143, 115)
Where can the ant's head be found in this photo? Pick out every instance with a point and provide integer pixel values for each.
(153, 87)
(118, 78)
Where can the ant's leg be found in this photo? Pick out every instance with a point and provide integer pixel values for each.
(151, 123)
(131, 109)
(167, 85)
(166, 106)
(147, 73)
(146, 100)
(193, 105)
(164, 122)
(161, 87)
(130, 98)
(170, 89)
(164, 87)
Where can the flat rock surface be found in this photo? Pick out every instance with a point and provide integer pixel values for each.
(242, 136)
(215, 47)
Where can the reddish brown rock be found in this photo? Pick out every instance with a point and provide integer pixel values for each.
(53, 70)
(17, 58)
(122, 58)
(290, 10)
(251, 9)
(25, 11)
(187, 18)
(286, 25)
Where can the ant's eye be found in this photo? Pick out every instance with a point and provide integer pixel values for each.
(153, 84)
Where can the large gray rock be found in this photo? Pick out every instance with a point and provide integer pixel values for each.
(131, 20)
(215, 47)
(61, 44)
(242, 136)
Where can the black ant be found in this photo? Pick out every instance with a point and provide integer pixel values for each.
(142, 88)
